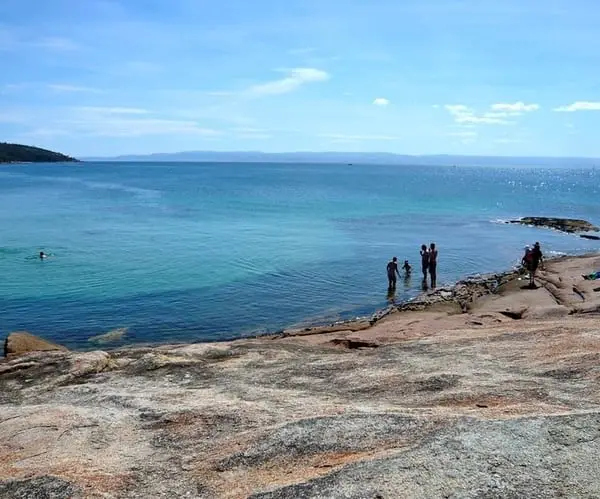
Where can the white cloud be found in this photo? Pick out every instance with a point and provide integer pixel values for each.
(381, 102)
(579, 106)
(457, 109)
(346, 137)
(464, 115)
(517, 107)
(295, 79)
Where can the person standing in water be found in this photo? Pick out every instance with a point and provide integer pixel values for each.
(392, 271)
(433, 253)
(424, 262)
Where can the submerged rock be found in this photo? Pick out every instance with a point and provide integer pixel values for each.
(569, 225)
(21, 342)
(110, 337)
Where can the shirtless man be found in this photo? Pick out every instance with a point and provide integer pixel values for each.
(424, 261)
(433, 253)
(392, 271)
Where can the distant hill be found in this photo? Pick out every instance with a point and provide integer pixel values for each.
(18, 153)
(381, 158)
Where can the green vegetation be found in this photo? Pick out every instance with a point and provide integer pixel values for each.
(17, 153)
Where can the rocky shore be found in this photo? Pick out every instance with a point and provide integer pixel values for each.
(569, 225)
(486, 389)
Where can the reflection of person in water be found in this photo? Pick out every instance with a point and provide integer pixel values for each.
(391, 295)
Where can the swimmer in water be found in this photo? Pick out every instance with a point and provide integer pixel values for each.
(43, 255)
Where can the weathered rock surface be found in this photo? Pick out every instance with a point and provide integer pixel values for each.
(570, 225)
(21, 342)
(427, 403)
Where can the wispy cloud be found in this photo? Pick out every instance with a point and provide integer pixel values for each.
(294, 80)
(65, 88)
(517, 107)
(138, 127)
(243, 129)
(254, 136)
(351, 137)
(508, 141)
(579, 106)
(381, 102)
(55, 43)
(128, 122)
(463, 134)
(103, 111)
(302, 51)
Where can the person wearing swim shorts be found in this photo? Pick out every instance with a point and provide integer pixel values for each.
(392, 271)
(424, 261)
(433, 253)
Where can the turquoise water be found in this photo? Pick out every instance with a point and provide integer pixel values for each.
(193, 252)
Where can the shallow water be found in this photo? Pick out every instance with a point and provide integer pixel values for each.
(192, 252)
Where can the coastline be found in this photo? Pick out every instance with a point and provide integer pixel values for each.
(461, 293)
(436, 398)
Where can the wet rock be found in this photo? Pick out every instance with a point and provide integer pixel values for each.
(589, 236)
(570, 225)
(21, 342)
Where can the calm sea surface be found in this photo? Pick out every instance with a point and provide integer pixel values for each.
(192, 252)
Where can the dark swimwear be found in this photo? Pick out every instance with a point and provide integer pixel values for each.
(433, 265)
(424, 262)
(392, 269)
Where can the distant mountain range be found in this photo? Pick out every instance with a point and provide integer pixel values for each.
(350, 158)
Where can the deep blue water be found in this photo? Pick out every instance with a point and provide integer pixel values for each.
(192, 252)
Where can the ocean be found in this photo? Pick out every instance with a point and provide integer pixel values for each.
(189, 252)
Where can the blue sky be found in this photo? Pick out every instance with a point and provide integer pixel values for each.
(105, 77)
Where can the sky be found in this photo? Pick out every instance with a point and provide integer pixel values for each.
(109, 77)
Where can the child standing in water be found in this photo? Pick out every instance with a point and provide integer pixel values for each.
(406, 267)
